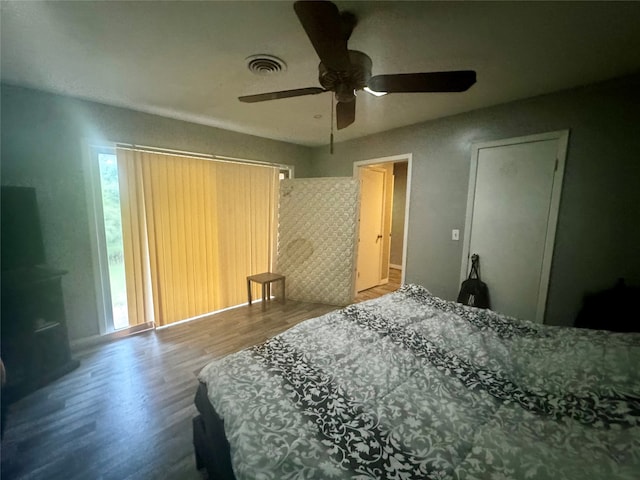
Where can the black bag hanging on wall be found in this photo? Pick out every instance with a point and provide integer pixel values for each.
(473, 291)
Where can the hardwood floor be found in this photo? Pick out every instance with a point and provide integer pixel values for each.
(395, 280)
(126, 412)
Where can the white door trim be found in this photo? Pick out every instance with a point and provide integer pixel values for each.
(406, 157)
(563, 139)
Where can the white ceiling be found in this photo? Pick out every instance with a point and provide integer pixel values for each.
(187, 60)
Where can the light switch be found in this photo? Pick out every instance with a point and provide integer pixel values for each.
(455, 234)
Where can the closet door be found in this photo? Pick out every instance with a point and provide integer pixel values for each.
(514, 194)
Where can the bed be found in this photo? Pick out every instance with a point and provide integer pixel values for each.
(410, 386)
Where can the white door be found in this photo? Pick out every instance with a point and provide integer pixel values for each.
(372, 183)
(514, 194)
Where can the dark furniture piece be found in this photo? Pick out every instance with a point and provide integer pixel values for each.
(209, 441)
(35, 346)
(21, 240)
(614, 309)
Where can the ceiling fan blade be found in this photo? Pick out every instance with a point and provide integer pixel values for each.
(454, 81)
(298, 92)
(345, 114)
(324, 27)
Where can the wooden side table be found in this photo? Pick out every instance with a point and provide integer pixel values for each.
(266, 279)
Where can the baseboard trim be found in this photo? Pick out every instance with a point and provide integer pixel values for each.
(94, 340)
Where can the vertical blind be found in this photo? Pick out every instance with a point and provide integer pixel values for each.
(193, 229)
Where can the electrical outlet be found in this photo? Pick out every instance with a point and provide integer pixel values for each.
(455, 234)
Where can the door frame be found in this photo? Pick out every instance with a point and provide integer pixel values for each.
(562, 136)
(406, 157)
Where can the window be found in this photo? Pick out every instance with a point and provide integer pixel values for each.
(112, 221)
(176, 235)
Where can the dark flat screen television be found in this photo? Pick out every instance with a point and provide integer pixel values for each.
(21, 240)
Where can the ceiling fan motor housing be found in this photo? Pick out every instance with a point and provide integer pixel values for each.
(345, 83)
(345, 71)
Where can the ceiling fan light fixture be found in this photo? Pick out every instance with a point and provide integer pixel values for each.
(344, 72)
(263, 64)
(374, 93)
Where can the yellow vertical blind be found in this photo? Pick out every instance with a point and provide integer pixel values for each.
(246, 197)
(134, 236)
(207, 225)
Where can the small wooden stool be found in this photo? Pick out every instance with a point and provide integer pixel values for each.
(266, 279)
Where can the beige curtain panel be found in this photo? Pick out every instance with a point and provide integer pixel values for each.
(193, 229)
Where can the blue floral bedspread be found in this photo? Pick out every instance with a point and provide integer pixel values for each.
(410, 386)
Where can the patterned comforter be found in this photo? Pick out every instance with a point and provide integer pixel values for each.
(410, 386)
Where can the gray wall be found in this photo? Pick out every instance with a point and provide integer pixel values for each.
(599, 225)
(397, 217)
(42, 141)
(598, 233)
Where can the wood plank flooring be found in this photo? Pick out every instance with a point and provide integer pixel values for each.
(395, 279)
(126, 412)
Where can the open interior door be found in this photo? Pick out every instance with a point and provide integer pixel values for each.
(370, 235)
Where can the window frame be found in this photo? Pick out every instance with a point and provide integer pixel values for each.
(97, 235)
(100, 262)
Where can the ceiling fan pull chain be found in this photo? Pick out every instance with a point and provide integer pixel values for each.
(331, 121)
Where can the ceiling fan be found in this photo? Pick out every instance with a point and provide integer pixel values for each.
(345, 71)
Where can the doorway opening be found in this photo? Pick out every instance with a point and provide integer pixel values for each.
(382, 226)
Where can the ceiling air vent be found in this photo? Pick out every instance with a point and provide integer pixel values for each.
(265, 64)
